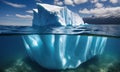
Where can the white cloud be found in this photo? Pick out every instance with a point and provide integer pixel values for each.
(80, 1)
(84, 11)
(103, 0)
(102, 12)
(114, 1)
(58, 2)
(29, 11)
(69, 2)
(12, 20)
(99, 5)
(94, 1)
(8, 15)
(14, 4)
(24, 16)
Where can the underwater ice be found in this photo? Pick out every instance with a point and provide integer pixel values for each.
(61, 51)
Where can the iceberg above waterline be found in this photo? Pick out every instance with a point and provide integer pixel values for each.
(60, 51)
(46, 14)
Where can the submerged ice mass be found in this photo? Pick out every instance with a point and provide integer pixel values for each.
(63, 51)
(60, 51)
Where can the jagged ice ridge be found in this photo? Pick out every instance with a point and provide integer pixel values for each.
(54, 15)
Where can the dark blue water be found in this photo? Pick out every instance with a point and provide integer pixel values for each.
(14, 58)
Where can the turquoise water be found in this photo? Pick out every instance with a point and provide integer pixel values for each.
(14, 57)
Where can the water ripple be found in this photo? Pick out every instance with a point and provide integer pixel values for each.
(103, 30)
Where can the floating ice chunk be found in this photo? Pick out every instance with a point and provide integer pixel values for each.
(60, 51)
(46, 14)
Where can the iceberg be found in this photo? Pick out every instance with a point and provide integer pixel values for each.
(56, 16)
(63, 51)
(60, 51)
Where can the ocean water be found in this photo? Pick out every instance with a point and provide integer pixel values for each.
(14, 57)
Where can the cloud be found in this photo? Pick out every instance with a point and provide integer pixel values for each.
(8, 15)
(103, 0)
(114, 1)
(102, 12)
(14, 4)
(58, 2)
(29, 11)
(99, 5)
(69, 2)
(80, 1)
(12, 20)
(94, 1)
(24, 16)
(111, 1)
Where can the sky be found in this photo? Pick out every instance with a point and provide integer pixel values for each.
(19, 12)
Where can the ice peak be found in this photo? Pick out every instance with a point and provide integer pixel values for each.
(47, 14)
(51, 8)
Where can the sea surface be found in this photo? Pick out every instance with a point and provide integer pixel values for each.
(14, 58)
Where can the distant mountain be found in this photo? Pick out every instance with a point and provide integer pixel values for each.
(102, 20)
